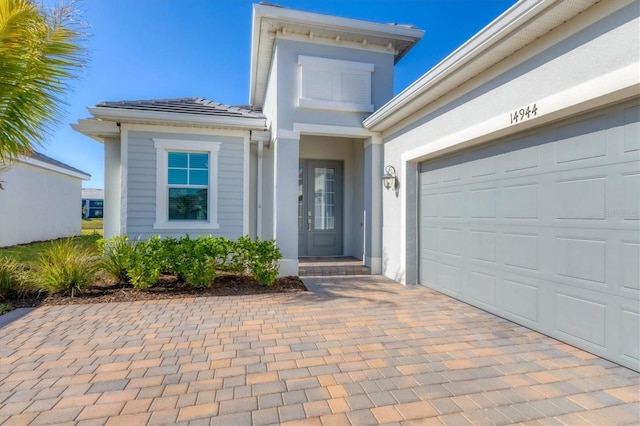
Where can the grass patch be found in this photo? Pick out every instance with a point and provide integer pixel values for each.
(66, 267)
(30, 253)
(93, 226)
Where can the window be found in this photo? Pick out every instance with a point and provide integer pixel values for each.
(186, 184)
(335, 85)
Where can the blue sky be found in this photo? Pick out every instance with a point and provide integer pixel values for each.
(146, 49)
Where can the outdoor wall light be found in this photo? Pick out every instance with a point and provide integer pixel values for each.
(390, 178)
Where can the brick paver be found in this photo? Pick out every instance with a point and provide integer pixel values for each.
(356, 350)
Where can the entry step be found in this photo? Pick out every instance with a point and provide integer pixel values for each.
(325, 266)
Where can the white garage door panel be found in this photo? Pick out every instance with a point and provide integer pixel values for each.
(544, 229)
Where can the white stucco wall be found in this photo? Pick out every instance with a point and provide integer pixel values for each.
(575, 67)
(38, 205)
(287, 72)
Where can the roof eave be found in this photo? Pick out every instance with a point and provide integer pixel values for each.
(402, 105)
(97, 129)
(260, 12)
(52, 167)
(152, 117)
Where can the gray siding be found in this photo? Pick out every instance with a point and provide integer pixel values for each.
(141, 195)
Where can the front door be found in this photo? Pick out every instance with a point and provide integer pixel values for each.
(320, 208)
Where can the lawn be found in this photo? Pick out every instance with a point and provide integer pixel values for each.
(29, 253)
(92, 226)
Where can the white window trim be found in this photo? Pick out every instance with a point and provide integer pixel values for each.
(163, 146)
(335, 66)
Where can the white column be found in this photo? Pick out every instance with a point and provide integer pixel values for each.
(373, 165)
(285, 207)
(112, 188)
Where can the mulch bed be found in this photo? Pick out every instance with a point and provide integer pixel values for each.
(168, 287)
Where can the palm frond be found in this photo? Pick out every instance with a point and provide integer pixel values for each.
(40, 52)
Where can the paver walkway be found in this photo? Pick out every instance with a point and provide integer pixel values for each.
(365, 350)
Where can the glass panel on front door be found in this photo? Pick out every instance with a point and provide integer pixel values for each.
(300, 199)
(320, 190)
(324, 199)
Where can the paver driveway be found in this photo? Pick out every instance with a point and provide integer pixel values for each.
(364, 350)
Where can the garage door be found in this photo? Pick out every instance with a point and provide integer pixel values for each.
(544, 229)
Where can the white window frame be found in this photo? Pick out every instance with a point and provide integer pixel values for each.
(336, 67)
(163, 146)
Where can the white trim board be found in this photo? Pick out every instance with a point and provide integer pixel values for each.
(615, 86)
(118, 114)
(162, 146)
(328, 130)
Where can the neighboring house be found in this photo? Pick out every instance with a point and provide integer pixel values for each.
(516, 162)
(92, 203)
(39, 201)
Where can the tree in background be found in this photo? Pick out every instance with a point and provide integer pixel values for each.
(41, 50)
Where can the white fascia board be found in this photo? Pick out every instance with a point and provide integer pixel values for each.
(338, 23)
(96, 129)
(54, 168)
(127, 115)
(519, 15)
(253, 67)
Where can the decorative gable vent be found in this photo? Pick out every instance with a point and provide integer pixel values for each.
(335, 85)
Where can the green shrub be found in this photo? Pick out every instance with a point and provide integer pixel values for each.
(137, 262)
(13, 279)
(194, 261)
(202, 263)
(264, 261)
(65, 267)
(144, 264)
(116, 252)
(241, 256)
(171, 257)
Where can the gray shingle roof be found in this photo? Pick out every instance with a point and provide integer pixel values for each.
(41, 157)
(186, 106)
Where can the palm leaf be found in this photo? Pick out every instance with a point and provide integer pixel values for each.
(40, 51)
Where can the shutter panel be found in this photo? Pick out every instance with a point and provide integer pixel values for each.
(317, 84)
(355, 87)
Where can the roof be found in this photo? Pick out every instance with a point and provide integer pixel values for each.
(185, 105)
(193, 112)
(272, 21)
(93, 193)
(41, 160)
(519, 26)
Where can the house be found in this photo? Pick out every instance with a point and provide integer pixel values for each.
(92, 203)
(39, 200)
(512, 167)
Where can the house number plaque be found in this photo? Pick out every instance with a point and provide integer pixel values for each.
(523, 114)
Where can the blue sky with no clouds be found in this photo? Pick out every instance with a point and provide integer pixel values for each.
(149, 49)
